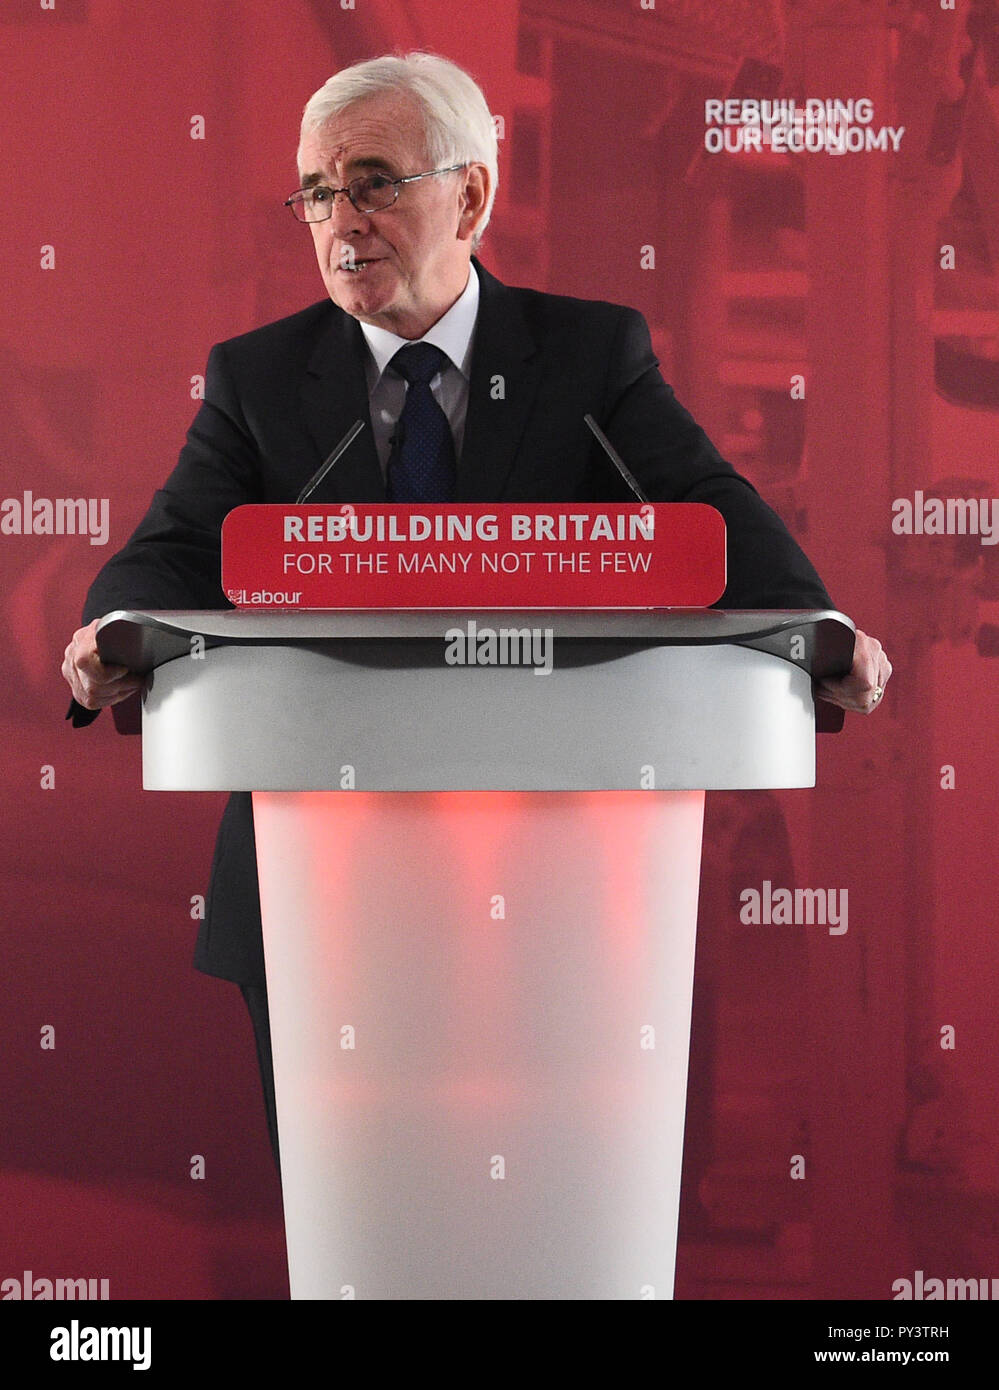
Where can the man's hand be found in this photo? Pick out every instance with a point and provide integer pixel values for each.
(863, 687)
(93, 684)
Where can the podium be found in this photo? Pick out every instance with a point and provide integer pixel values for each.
(479, 896)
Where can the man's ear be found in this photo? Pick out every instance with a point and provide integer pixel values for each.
(474, 200)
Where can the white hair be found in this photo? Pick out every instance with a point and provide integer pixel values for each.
(457, 125)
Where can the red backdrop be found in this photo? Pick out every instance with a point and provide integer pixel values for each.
(806, 309)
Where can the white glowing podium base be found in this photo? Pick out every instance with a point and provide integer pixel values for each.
(480, 961)
(483, 1038)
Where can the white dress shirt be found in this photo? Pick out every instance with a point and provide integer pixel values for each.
(387, 389)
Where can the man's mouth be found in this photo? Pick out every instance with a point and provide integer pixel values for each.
(354, 266)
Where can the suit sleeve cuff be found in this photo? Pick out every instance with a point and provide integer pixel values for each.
(80, 716)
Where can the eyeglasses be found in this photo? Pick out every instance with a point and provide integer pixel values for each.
(369, 193)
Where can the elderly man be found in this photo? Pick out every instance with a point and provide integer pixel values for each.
(473, 391)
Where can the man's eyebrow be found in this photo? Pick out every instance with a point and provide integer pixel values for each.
(372, 162)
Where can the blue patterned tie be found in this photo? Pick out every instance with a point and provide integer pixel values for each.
(421, 468)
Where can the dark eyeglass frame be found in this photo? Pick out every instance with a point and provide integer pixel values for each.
(298, 198)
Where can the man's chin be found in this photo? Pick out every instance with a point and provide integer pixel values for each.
(357, 294)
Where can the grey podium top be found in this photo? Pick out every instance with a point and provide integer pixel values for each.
(144, 640)
(671, 699)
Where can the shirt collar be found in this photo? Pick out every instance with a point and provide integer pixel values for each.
(452, 333)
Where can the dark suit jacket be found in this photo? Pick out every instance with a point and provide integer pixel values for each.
(277, 400)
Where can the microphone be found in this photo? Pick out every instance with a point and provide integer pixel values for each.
(615, 458)
(328, 463)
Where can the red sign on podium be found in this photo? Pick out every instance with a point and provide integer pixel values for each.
(507, 555)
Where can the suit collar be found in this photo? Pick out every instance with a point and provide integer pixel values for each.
(452, 333)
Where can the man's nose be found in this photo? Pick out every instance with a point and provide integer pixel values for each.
(345, 220)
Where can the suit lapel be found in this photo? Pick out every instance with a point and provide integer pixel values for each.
(503, 350)
(334, 395)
